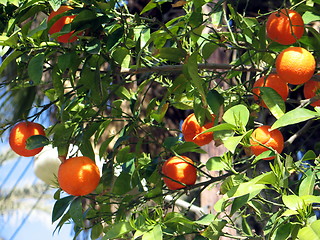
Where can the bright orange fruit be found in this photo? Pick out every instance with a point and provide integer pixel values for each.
(59, 24)
(263, 138)
(19, 135)
(191, 128)
(78, 176)
(295, 65)
(285, 26)
(310, 90)
(177, 170)
(273, 81)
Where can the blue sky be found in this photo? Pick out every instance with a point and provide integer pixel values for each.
(38, 225)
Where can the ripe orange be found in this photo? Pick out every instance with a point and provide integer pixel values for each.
(273, 81)
(295, 65)
(310, 90)
(263, 137)
(59, 24)
(285, 26)
(191, 128)
(181, 169)
(19, 135)
(78, 176)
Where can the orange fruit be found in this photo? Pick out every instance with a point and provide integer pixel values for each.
(59, 24)
(191, 128)
(78, 176)
(295, 65)
(273, 81)
(177, 170)
(263, 138)
(285, 26)
(19, 135)
(312, 89)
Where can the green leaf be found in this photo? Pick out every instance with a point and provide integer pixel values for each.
(308, 183)
(12, 56)
(265, 178)
(55, 4)
(76, 212)
(37, 141)
(293, 202)
(237, 115)
(214, 230)
(283, 232)
(310, 199)
(154, 234)
(310, 232)
(35, 68)
(215, 164)
(215, 101)
(60, 206)
(117, 230)
(206, 219)
(172, 54)
(294, 116)
(231, 143)
(273, 101)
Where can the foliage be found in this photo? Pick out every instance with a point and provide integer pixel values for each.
(119, 92)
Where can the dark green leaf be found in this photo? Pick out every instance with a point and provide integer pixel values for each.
(37, 141)
(76, 212)
(172, 54)
(35, 68)
(215, 101)
(60, 206)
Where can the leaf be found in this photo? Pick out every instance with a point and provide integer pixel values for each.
(310, 232)
(76, 212)
(308, 183)
(294, 116)
(206, 219)
(283, 232)
(172, 54)
(35, 68)
(37, 141)
(215, 101)
(310, 199)
(214, 230)
(215, 164)
(231, 143)
(293, 202)
(117, 230)
(12, 56)
(273, 101)
(237, 115)
(154, 234)
(60, 206)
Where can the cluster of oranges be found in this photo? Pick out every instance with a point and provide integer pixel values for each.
(294, 65)
(77, 176)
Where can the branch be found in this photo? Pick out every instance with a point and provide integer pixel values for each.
(178, 68)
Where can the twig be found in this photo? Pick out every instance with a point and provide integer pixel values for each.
(298, 133)
(175, 68)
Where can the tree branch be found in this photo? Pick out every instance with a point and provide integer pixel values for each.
(177, 68)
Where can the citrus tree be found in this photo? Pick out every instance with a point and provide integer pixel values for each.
(133, 88)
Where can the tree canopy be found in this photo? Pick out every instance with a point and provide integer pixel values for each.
(120, 91)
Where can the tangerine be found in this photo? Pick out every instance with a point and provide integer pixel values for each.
(59, 24)
(273, 81)
(285, 26)
(295, 65)
(263, 138)
(179, 172)
(78, 176)
(312, 89)
(19, 135)
(191, 129)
